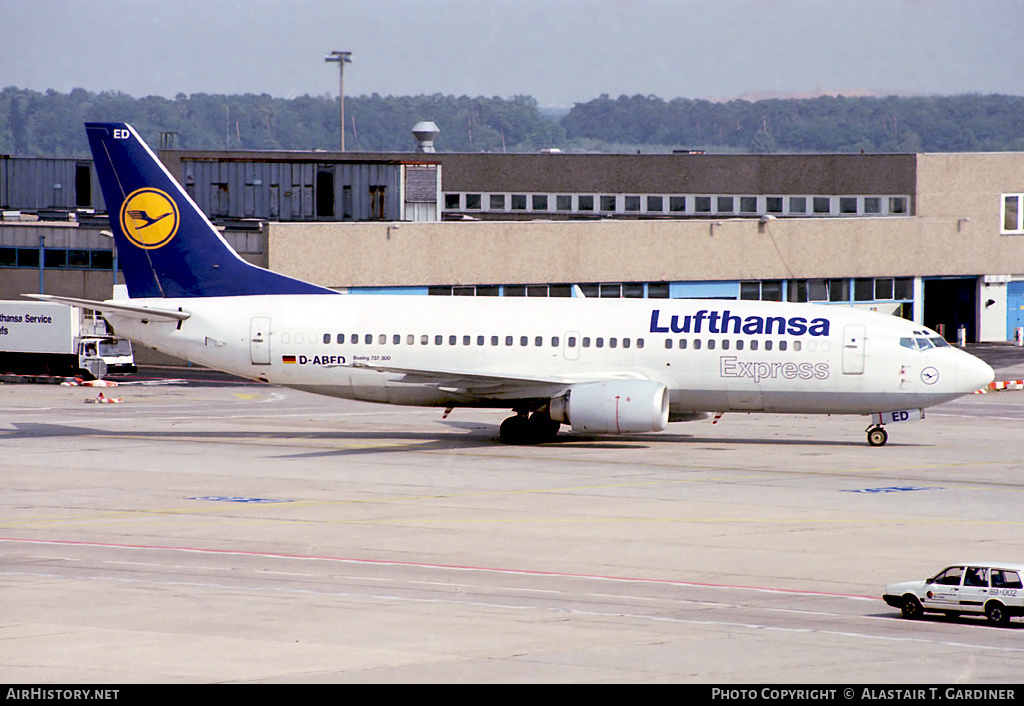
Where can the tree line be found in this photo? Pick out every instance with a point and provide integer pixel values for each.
(50, 123)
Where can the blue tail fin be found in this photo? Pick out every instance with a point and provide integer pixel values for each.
(165, 244)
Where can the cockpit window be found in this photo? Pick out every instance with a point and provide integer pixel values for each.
(921, 343)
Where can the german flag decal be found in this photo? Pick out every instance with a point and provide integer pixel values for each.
(290, 359)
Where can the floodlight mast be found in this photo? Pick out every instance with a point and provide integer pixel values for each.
(342, 57)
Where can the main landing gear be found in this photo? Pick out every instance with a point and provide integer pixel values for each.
(525, 428)
(877, 436)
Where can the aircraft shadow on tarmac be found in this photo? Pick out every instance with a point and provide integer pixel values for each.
(463, 435)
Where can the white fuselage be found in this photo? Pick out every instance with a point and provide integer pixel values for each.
(712, 355)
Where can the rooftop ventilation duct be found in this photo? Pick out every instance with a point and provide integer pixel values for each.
(425, 132)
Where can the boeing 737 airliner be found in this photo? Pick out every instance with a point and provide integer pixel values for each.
(603, 366)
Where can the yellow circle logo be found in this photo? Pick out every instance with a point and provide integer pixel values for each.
(149, 217)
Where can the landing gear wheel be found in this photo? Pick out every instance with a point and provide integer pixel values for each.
(514, 430)
(542, 427)
(877, 436)
(537, 428)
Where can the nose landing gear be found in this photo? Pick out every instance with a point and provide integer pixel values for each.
(877, 436)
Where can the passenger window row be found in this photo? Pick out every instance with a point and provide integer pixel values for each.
(467, 340)
(727, 344)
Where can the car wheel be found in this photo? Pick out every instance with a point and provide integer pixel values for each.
(997, 614)
(912, 608)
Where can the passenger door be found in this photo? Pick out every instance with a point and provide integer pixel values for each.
(853, 349)
(259, 340)
(944, 590)
(975, 589)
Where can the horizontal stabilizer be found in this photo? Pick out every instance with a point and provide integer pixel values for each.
(139, 312)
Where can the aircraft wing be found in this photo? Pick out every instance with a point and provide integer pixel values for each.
(130, 310)
(492, 384)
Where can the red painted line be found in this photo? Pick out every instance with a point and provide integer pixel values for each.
(448, 567)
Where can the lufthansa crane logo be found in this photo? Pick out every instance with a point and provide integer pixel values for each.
(149, 217)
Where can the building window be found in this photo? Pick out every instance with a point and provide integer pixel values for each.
(771, 291)
(773, 204)
(798, 204)
(102, 260)
(378, 202)
(1013, 213)
(903, 288)
(633, 290)
(702, 204)
(497, 202)
(608, 203)
(768, 290)
(822, 204)
(848, 205)
(657, 290)
(872, 205)
(655, 204)
(677, 204)
(518, 202)
(585, 203)
(540, 202)
(725, 204)
(473, 202)
(633, 204)
(897, 205)
(563, 202)
(883, 288)
(55, 259)
(838, 290)
(453, 201)
(748, 204)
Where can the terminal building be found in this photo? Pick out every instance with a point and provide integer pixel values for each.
(937, 238)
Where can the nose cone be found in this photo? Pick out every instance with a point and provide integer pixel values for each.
(973, 373)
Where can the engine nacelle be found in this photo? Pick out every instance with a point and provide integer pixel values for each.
(614, 407)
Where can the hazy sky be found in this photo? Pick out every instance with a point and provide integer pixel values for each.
(559, 51)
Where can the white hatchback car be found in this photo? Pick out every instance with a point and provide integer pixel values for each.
(990, 587)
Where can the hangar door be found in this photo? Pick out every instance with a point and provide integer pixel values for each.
(950, 304)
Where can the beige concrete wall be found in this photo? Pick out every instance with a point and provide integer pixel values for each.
(507, 253)
(952, 187)
(955, 232)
